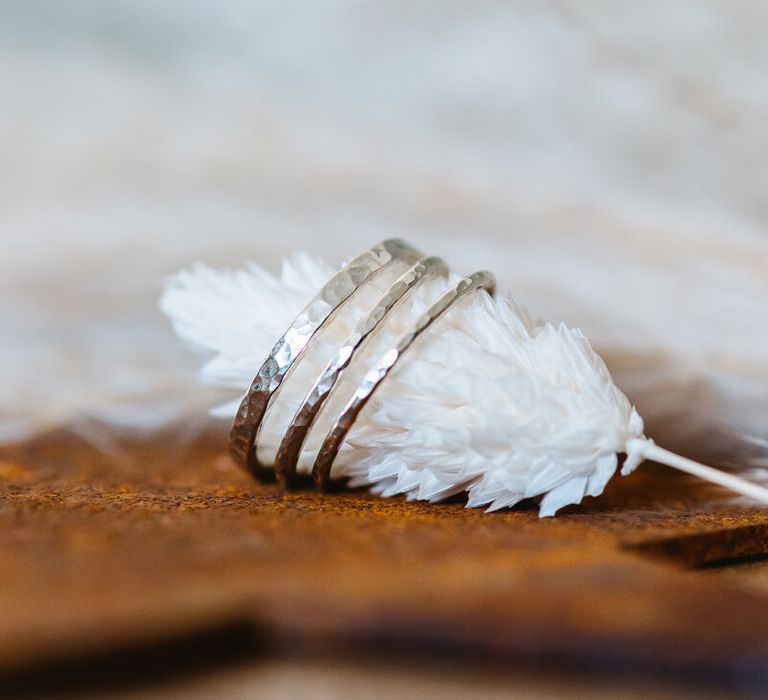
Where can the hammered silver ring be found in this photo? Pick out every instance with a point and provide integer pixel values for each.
(320, 311)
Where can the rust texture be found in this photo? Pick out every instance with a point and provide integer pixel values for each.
(165, 536)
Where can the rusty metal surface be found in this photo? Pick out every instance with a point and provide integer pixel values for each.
(165, 538)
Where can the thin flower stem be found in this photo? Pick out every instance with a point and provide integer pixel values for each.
(729, 481)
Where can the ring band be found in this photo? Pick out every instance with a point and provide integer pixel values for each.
(304, 418)
(318, 312)
(373, 379)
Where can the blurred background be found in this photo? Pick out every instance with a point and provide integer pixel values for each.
(608, 160)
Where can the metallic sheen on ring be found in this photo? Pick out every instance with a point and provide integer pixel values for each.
(332, 443)
(319, 311)
(296, 435)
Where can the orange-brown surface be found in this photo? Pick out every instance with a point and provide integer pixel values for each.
(164, 540)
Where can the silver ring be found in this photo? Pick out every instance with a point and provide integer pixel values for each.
(296, 435)
(319, 311)
(373, 379)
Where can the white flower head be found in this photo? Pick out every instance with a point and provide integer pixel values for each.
(489, 401)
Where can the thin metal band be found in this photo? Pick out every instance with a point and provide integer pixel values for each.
(318, 312)
(332, 443)
(296, 435)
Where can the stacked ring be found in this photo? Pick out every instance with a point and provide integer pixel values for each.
(303, 420)
(319, 312)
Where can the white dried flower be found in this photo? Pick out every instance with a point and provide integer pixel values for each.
(489, 401)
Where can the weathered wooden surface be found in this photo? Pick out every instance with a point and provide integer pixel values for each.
(160, 542)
